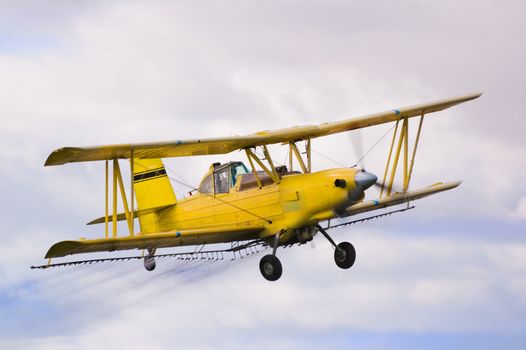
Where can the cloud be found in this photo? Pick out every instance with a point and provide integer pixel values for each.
(520, 210)
(98, 73)
(399, 284)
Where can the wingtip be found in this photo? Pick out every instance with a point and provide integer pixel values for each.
(60, 156)
(457, 183)
(61, 249)
(452, 184)
(477, 94)
(471, 96)
(49, 162)
(54, 158)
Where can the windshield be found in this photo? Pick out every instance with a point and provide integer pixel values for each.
(238, 169)
(221, 182)
(223, 178)
(206, 185)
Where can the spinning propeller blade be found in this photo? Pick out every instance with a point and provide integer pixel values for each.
(357, 144)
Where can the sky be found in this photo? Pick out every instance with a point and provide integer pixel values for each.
(448, 274)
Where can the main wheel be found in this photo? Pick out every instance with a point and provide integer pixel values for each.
(344, 255)
(270, 267)
(149, 263)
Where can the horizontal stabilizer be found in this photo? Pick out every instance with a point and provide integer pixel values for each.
(122, 216)
(400, 198)
(155, 240)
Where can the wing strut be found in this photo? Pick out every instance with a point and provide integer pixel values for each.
(420, 123)
(132, 194)
(117, 182)
(403, 140)
(270, 168)
(293, 149)
(272, 172)
(106, 221)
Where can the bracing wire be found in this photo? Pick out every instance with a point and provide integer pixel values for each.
(328, 158)
(373, 146)
(361, 158)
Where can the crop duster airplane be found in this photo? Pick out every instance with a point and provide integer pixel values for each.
(260, 205)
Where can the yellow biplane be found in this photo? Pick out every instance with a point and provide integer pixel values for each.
(260, 205)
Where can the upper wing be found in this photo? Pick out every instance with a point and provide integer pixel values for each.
(155, 240)
(181, 148)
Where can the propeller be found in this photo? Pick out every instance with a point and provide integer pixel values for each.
(358, 147)
(357, 144)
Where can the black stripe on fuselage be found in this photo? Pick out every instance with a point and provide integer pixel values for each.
(149, 175)
(148, 171)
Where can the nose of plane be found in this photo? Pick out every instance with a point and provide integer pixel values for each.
(364, 179)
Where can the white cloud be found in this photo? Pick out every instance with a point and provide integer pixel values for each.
(425, 284)
(125, 72)
(520, 210)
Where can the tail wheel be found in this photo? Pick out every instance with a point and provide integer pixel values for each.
(270, 267)
(344, 255)
(149, 263)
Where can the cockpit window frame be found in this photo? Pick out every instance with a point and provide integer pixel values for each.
(208, 178)
(234, 166)
(222, 185)
(227, 169)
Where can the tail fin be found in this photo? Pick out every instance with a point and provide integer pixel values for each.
(152, 189)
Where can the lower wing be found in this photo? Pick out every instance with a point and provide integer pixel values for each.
(400, 198)
(155, 240)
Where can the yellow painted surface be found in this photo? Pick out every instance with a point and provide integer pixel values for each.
(185, 148)
(297, 201)
(288, 205)
(152, 189)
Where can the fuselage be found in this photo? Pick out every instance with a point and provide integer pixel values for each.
(297, 201)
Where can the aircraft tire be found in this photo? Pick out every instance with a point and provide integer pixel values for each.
(345, 255)
(149, 263)
(270, 267)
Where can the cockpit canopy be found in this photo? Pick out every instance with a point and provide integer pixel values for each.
(222, 177)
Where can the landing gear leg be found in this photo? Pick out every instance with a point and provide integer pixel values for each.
(269, 265)
(344, 253)
(149, 260)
